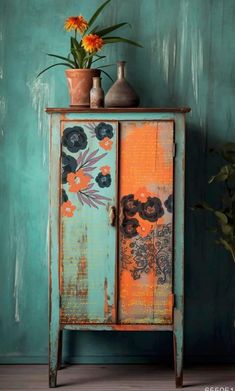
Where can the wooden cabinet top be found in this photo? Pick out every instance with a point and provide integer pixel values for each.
(75, 109)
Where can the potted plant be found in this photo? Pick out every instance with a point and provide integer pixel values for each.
(225, 227)
(84, 54)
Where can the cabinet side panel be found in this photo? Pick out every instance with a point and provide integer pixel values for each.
(88, 258)
(146, 205)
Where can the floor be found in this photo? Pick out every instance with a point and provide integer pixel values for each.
(116, 378)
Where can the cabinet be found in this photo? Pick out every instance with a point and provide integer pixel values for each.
(116, 223)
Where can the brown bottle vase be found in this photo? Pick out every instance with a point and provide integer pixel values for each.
(121, 94)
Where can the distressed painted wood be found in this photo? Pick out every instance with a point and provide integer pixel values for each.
(88, 239)
(100, 288)
(54, 250)
(179, 213)
(146, 203)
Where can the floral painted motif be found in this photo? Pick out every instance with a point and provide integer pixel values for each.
(103, 130)
(149, 254)
(105, 170)
(142, 194)
(78, 181)
(77, 170)
(129, 227)
(169, 203)
(106, 144)
(103, 180)
(69, 164)
(74, 139)
(152, 209)
(67, 209)
(145, 227)
(130, 205)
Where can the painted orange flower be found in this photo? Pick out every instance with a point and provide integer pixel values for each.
(144, 227)
(92, 43)
(76, 23)
(105, 170)
(77, 181)
(142, 194)
(67, 209)
(106, 144)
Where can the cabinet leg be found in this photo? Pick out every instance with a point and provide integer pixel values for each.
(178, 357)
(59, 360)
(53, 355)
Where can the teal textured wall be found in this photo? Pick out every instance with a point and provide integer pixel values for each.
(188, 59)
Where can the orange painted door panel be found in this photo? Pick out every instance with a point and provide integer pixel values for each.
(146, 218)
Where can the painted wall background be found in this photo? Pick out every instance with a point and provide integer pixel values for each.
(188, 59)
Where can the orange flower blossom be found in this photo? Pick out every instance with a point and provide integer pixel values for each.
(76, 23)
(106, 144)
(144, 228)
(142, 194)
(77, 181)
(67, 209)
(92, 43)
(105, 170)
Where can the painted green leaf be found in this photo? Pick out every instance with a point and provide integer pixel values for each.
(221, 216)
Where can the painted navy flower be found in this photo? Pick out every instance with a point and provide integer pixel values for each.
(103, 180)
(130, 205)
(103, 130)
(64, 196)
(152, 209)
(74, 139)
(69, 164)
(169, 203)
(129, 227)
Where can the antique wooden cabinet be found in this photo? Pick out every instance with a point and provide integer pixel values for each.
(116, 223)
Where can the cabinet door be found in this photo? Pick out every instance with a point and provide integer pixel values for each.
(88, 239)
(146, 205)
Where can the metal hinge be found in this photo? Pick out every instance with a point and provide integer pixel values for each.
(174, 150)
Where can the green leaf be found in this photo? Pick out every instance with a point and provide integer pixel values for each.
(97, 12)
(203, 205)
(54, 65)
(105, 66)
(222, 174)
(98, 59)
(221, 217)
(120, 39)
(62, 58)
(106, 74)
(227, 229)
(228, 246)
(108, 30)
(228, 152)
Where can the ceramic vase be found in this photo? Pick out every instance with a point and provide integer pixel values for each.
(80, 84)
(121, 94)
(96, 94)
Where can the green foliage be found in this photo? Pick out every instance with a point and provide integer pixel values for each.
(225, 217)
(81, 59)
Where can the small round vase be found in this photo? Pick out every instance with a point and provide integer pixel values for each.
(121, 94)
(80, 84)
(96, 94)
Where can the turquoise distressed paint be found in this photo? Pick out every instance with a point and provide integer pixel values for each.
(187, 60)
(80, 242)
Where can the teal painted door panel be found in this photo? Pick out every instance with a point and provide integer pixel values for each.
(88, 238)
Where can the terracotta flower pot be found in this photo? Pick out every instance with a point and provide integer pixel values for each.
(80, 84)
